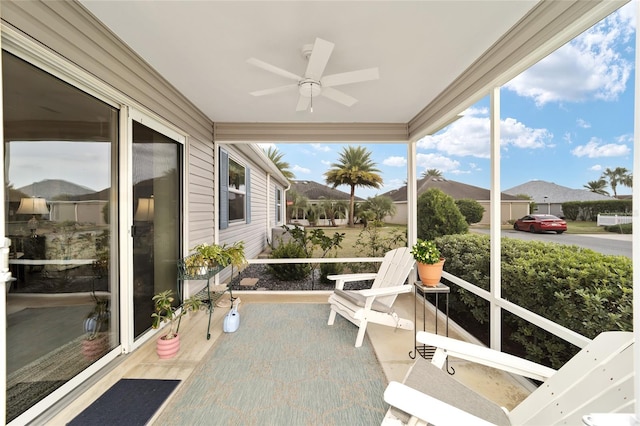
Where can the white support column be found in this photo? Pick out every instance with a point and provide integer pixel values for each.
(495, 315)
(635, 244)
(412, 194)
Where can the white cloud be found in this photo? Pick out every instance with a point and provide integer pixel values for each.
(326, 162)
(582, 123)
(513, 132)
(392, 184)
(568, 138)
(320, 147)
(469, 136)
(298, 169)
(596, 149)
(460, 172)
(395, 161)
(627, 138)
(436, 161)
(596, 168)
(588, 67)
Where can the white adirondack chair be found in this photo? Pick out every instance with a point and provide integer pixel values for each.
(597, 379)
(376, 303)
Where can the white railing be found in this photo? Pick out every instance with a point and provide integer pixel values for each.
(609, 219)
(517, 310)
(535, 319)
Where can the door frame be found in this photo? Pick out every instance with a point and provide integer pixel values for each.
(129, 342)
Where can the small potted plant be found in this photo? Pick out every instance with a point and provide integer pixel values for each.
(196, 264)
(429, 260)
(165, 311)
(223, 255)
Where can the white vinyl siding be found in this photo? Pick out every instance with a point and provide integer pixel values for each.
(68, 29)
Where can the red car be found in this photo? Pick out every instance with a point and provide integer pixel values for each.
(540, 222)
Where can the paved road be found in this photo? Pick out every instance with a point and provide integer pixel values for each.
(607, 243)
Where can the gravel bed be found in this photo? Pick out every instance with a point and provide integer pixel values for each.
(266, 282)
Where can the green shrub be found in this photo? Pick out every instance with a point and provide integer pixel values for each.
(589, 210)
(470, 209)
(289, 271)
(438, 215)
(330, 269)
(372, 242)
(580, 289)
(624, 228)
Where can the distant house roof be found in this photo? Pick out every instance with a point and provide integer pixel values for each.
(539, 189)
(316, 191)
(456, 190)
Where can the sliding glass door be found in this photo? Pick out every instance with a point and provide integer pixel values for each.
(157, 220)
(60, 147)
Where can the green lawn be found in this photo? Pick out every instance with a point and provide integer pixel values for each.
(581, 227)
(349, 248)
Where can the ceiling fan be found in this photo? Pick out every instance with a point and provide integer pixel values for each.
(313, 83)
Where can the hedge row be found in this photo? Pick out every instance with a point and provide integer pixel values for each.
(589, 210)
(583, 290)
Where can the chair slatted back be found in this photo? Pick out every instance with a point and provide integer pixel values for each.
(393, 271)
(598, 379)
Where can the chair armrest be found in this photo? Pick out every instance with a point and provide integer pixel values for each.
(386, 291)
(353, 277)
(486, 356)
(345, 278)
(427, 408)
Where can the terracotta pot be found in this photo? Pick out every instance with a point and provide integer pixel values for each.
(167, 348)
(430, 274)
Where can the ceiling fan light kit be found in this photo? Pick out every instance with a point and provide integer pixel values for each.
(313, 84)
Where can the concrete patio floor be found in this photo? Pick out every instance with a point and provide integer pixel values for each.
(392, 348)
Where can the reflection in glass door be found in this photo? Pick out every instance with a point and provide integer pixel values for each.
(156, 217)
(63, 314)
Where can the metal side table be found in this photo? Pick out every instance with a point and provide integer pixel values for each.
(422, 291)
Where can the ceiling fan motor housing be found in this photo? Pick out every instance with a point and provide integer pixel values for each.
(309, 88)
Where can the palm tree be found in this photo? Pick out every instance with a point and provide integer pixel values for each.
(597, 186)
(354, 168)
(381, 206)
(297, 205)
(276, 157)
(431, 173)
(619, 175)
(333, 210)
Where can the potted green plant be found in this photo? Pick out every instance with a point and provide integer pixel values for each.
(430, 262)
(165, 311)
(223, 255)
(212, 253)
(196, 264)
(234, 254)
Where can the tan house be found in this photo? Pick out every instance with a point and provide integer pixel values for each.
(510, 206)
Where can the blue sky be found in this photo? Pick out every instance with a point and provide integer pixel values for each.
(564, 120)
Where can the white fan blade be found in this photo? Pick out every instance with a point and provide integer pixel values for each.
(303, 103)
(350, 77)
(338, 96)
(272, 68)
(274, 90)
(319, 57)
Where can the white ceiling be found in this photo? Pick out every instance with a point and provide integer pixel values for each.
(201, 47)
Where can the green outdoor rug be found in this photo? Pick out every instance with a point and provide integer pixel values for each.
(284, 366)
